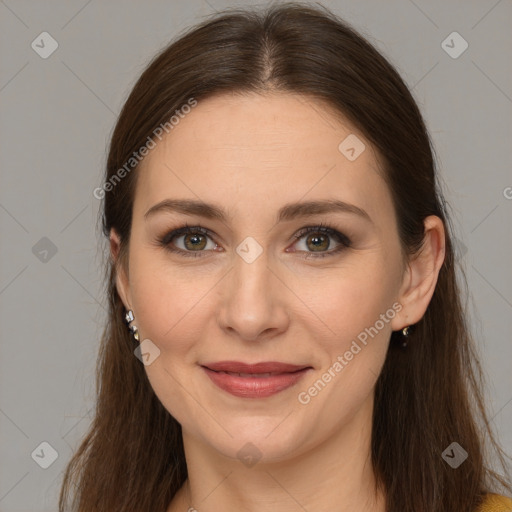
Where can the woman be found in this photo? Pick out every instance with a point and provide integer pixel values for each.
(285, 327)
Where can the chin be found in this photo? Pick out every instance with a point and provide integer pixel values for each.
(258, 439)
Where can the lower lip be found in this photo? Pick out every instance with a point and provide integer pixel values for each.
(255, 387)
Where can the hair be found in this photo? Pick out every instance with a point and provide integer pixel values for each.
(427, 396)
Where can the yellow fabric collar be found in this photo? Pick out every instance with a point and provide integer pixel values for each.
(496, 503)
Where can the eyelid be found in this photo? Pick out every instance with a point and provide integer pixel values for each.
(165, 240)
(322, 228)
(343, 241)
(184, 230)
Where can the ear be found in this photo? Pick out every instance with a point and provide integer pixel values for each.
(122, 285)
(420, 277)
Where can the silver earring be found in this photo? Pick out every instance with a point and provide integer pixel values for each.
(405, 334)
(128, 318)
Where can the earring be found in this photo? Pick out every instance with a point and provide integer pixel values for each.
(405, 334)
(128, 317)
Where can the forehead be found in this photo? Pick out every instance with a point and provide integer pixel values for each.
(240, 150)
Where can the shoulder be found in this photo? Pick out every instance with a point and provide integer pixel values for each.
(495, 503)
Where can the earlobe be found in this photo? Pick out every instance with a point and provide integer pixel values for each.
(121, 278)
(420, 278)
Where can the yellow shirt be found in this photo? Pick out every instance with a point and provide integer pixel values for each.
(496, 503)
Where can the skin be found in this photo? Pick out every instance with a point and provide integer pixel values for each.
(251, 154)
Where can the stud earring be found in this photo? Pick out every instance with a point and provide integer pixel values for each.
(128, 318)
(405, 334)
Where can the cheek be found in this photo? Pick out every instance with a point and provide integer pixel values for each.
(168, 302)
(358, 309)
(171, 311)
(351, 299)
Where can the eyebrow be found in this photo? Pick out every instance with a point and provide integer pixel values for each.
(287, 212)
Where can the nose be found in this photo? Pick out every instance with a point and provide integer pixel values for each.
(252, 304)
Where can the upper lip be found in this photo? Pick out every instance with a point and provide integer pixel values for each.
(263, 367)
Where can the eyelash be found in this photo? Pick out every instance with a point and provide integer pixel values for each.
(343, 240)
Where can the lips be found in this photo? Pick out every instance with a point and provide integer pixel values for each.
(257, 380)
(256, 368)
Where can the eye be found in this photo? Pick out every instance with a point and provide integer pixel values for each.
(188, 241)
(318, 239)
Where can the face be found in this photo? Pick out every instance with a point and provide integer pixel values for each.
(264, 275)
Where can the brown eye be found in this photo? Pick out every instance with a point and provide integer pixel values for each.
(188, 241)
(194, 241)
(317, 242)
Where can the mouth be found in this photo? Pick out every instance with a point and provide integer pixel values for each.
(258, 380)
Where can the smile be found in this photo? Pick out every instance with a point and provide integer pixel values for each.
(259, 380)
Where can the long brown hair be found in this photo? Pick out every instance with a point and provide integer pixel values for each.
(427, 396)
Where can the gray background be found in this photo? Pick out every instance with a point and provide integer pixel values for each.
(56, 117)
